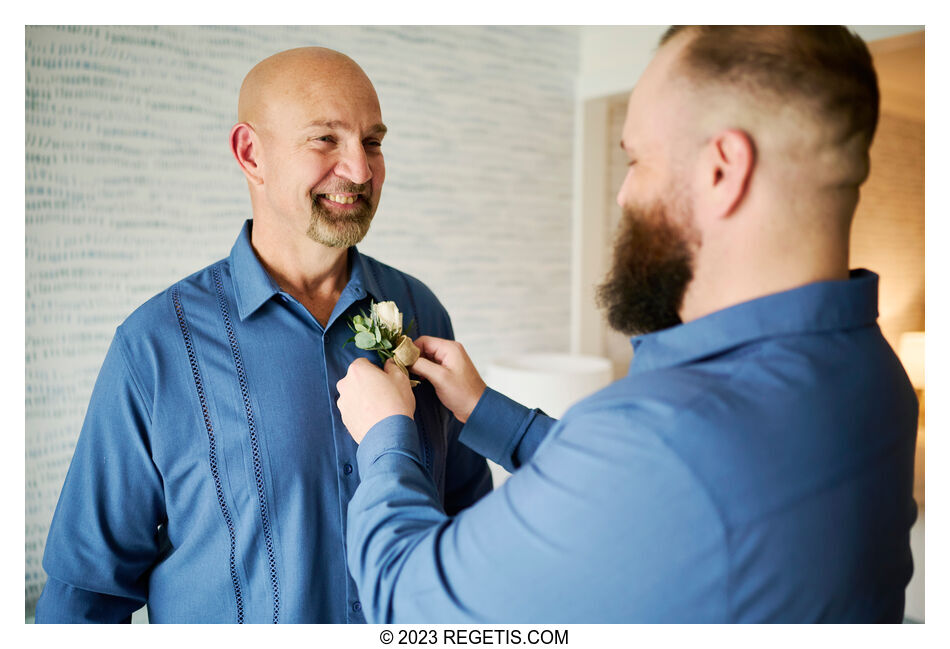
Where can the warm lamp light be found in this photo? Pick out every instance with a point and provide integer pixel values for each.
(911, 353)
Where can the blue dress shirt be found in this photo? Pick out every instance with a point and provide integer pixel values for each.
(755, 465)
(212, 472)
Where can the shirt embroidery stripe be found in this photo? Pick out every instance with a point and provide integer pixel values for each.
(255, 446)
(212, 447)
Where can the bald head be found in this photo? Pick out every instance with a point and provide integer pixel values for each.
(308, 139)
(294, 77)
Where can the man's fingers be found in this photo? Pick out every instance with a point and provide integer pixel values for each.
(433, 372)
(391, 368)
(434, 348)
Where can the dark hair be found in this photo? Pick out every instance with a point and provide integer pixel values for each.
(826, 67)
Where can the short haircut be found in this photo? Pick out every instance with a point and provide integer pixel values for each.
(827, 68)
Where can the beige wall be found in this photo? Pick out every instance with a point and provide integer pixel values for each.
(888, 232)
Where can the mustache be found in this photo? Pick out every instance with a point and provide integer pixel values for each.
(344, 187)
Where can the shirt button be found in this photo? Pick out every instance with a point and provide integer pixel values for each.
(357, 607)
(347, 470)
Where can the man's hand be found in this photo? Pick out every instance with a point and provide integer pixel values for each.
(448, 368)
(368, 395)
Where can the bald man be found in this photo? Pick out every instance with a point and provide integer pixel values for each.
(757, 463)
(212, 472)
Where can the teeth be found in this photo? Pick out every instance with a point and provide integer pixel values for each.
(344, 200)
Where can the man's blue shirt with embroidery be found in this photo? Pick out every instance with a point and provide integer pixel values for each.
(212, 473)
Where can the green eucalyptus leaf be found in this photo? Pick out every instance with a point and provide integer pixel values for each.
(365, 340)
(386, 344)
(376, 332)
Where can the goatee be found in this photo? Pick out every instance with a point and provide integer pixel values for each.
(652, 267)
(341, 229)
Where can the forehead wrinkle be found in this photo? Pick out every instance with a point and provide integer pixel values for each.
(338, 124)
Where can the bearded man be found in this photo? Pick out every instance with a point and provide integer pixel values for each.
(756, 464)
(212, 471)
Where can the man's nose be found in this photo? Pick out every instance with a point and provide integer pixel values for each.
(353, 164)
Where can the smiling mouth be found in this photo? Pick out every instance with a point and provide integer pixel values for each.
(341, 199)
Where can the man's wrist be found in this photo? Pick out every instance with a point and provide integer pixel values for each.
(394, 434)
(473, 403)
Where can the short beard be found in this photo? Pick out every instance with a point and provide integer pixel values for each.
(340, 230)
(652, 267)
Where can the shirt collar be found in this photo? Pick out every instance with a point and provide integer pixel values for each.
(820, 306)
(253, 286)
(362, 278)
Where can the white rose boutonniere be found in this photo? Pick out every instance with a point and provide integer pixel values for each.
(381, 332)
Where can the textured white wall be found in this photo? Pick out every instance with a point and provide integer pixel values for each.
(130, 186)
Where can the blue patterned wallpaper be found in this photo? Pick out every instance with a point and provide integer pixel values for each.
(130, 186)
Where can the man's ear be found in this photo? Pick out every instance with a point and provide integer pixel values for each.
(728, 162)
(245, 145)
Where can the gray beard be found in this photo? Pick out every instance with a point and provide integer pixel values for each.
(339, 231)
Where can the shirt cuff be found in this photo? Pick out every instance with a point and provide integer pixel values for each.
(394, 434)
(496, 426)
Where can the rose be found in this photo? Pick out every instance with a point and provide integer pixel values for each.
(388, 316)
(381, 332)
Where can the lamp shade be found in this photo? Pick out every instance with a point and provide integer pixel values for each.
(911, 353)
(551, 382)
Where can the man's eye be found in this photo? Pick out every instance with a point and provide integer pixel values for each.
(324, 138)
(373, 143)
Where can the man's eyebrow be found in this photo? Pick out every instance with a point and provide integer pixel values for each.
(376, 129)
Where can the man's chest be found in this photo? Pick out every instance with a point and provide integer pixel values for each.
(255, 414)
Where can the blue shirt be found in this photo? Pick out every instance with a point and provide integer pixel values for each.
(755, 465)
(212, 472)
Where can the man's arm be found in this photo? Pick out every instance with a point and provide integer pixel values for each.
(467, 477)
(606, 525)
(496, 427)
(505, 431)
(104, 538)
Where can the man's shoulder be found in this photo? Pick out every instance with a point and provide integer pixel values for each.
(411, 295)
(159, 315)
(393, 280)
(665, 395)
(765, 426)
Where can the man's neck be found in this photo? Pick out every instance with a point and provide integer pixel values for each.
(313, 273)
(721, 283)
